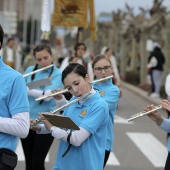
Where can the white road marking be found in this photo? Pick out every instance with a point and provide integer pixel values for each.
(20, 153)
(121, 120)
(112, 160)
(151, 147)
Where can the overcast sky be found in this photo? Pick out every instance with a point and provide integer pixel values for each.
(113, 5)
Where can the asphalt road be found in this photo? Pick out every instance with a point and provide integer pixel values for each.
(138, 145)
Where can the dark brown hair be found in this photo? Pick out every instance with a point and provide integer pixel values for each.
(99, 57)
(79, 44)
(39, 48)
(74, 68)
(1, 36)
(42, 47)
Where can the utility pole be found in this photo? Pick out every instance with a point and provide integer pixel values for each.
(24, 35)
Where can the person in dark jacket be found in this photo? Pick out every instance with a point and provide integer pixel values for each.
(156, 61)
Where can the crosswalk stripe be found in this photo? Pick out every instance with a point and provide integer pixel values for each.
(118, 119)
(112, 160)
(20, 153)
(151, 147)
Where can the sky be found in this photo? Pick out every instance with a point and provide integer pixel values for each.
(114, 5)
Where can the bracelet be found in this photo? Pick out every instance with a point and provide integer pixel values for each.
(51, 129)
(69, 135)
(69, 146)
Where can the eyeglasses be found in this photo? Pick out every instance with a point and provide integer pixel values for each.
(105, 68)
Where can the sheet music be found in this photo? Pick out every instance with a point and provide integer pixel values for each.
(39, 83)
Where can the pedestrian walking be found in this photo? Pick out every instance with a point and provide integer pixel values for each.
(156, 61)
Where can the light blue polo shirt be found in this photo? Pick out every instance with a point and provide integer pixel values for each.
(35, 106)
(110, 93)
(91, 115)
(13, 100)
(169, 142)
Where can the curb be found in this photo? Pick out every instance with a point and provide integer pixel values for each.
(141, 92)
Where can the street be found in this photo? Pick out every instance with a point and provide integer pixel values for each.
(138, 145)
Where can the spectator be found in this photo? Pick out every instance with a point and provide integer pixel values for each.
(9, 53)
(156, 61)
(81, 58)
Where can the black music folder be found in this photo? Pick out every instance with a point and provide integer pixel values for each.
(39, 83)
(61, 121)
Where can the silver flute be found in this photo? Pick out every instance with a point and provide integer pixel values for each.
(36, 121)
(64, 91)
(41, 69)
(143, 113)
(51, 95)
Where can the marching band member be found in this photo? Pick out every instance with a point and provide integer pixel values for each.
(110, 93)
(36, 146)
(14, 112)
(90, 114)
(162, 123)
(106, 51)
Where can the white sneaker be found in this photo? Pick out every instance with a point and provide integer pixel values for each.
(154, 95)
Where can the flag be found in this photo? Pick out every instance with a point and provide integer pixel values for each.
(70, 13)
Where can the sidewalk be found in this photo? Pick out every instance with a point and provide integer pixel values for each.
(142, 93)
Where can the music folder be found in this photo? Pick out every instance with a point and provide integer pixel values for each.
(61, 121)
(39, 83)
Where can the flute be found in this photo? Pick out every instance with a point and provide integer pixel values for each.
(64, 91)
(36, 121)
(41, 69)
(51, 95)
(143, 113)
(99, 80)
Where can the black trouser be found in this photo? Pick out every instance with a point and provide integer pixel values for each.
(167, 165)
(35, 148)
(4, 167)
(8, 159)
(168, 113)
(152, 83)
(107, 153)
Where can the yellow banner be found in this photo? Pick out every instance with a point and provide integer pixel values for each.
(70, 13)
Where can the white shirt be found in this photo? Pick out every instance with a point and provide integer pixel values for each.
(18, 125)
(167, 86)
(9, 52)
